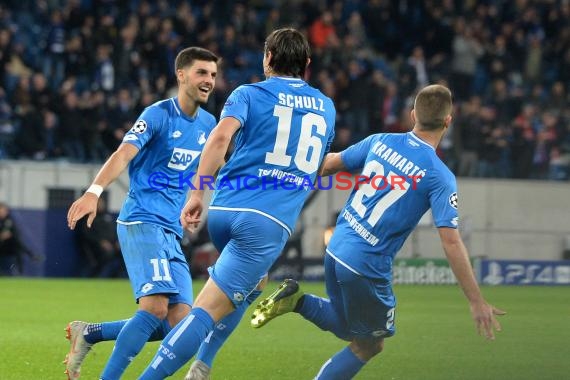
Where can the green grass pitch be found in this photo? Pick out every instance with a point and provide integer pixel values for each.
(435, 336)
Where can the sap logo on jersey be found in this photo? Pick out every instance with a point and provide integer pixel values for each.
(182, 158)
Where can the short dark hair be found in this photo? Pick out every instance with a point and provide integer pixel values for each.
(289, 52)
(432, 105)
(187, 56)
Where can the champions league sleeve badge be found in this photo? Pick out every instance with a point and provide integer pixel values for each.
(139, 126)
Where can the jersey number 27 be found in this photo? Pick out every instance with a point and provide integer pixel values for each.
(368, 189)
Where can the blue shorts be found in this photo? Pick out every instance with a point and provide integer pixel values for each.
(367, 304)
(249, 244)
(155, 262)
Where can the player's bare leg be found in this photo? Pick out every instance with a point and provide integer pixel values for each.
(366, 349)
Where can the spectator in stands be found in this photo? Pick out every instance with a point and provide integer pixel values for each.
(43, 98)
(6, 124)
(50, 143)
(54, 57)
(558, 96)
(98, 138)
(469, 136)
(12, 249)
(524, 141)
(77, 61)
(559, 165)
(357, 96)
(391, 107)
(72, 128)
(104, 71)
(466, 52)
(418, 63)
(322, 32)
(28, 138)
(498, 60)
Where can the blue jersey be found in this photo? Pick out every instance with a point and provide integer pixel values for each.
(286, 129)
(169, 144)
(405, 179)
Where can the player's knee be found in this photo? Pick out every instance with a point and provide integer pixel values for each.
(365, 349)
(156, 305)
(158, 311)
(177, 312)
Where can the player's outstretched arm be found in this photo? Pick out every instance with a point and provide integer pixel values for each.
(111, 169)
(331, 164)
(483, 313)
(212, 159)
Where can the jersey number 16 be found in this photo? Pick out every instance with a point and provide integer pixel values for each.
(306, 161)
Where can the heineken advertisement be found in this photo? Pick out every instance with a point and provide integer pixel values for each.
(422, 272)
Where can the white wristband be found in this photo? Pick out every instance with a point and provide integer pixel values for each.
(95, 189)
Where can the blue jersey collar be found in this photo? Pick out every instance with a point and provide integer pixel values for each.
(413, 135)
(288, 78)
(176, 105)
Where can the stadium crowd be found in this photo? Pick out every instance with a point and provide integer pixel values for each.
(75, 74)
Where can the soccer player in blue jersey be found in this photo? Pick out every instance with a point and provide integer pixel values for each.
(405, 179)
(283, 128)
(162, 151)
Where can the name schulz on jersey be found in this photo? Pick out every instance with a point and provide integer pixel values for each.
(297, 101)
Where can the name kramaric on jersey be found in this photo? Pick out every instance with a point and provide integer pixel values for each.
(400, 162)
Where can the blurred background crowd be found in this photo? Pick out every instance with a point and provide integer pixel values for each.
(75, 74)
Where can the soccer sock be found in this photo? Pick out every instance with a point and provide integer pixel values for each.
(93, 333)
(111, 330)
(344, 365)
(320, 312)
(222, 331)
(179, 345)
(130, 341)
(99, 332)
